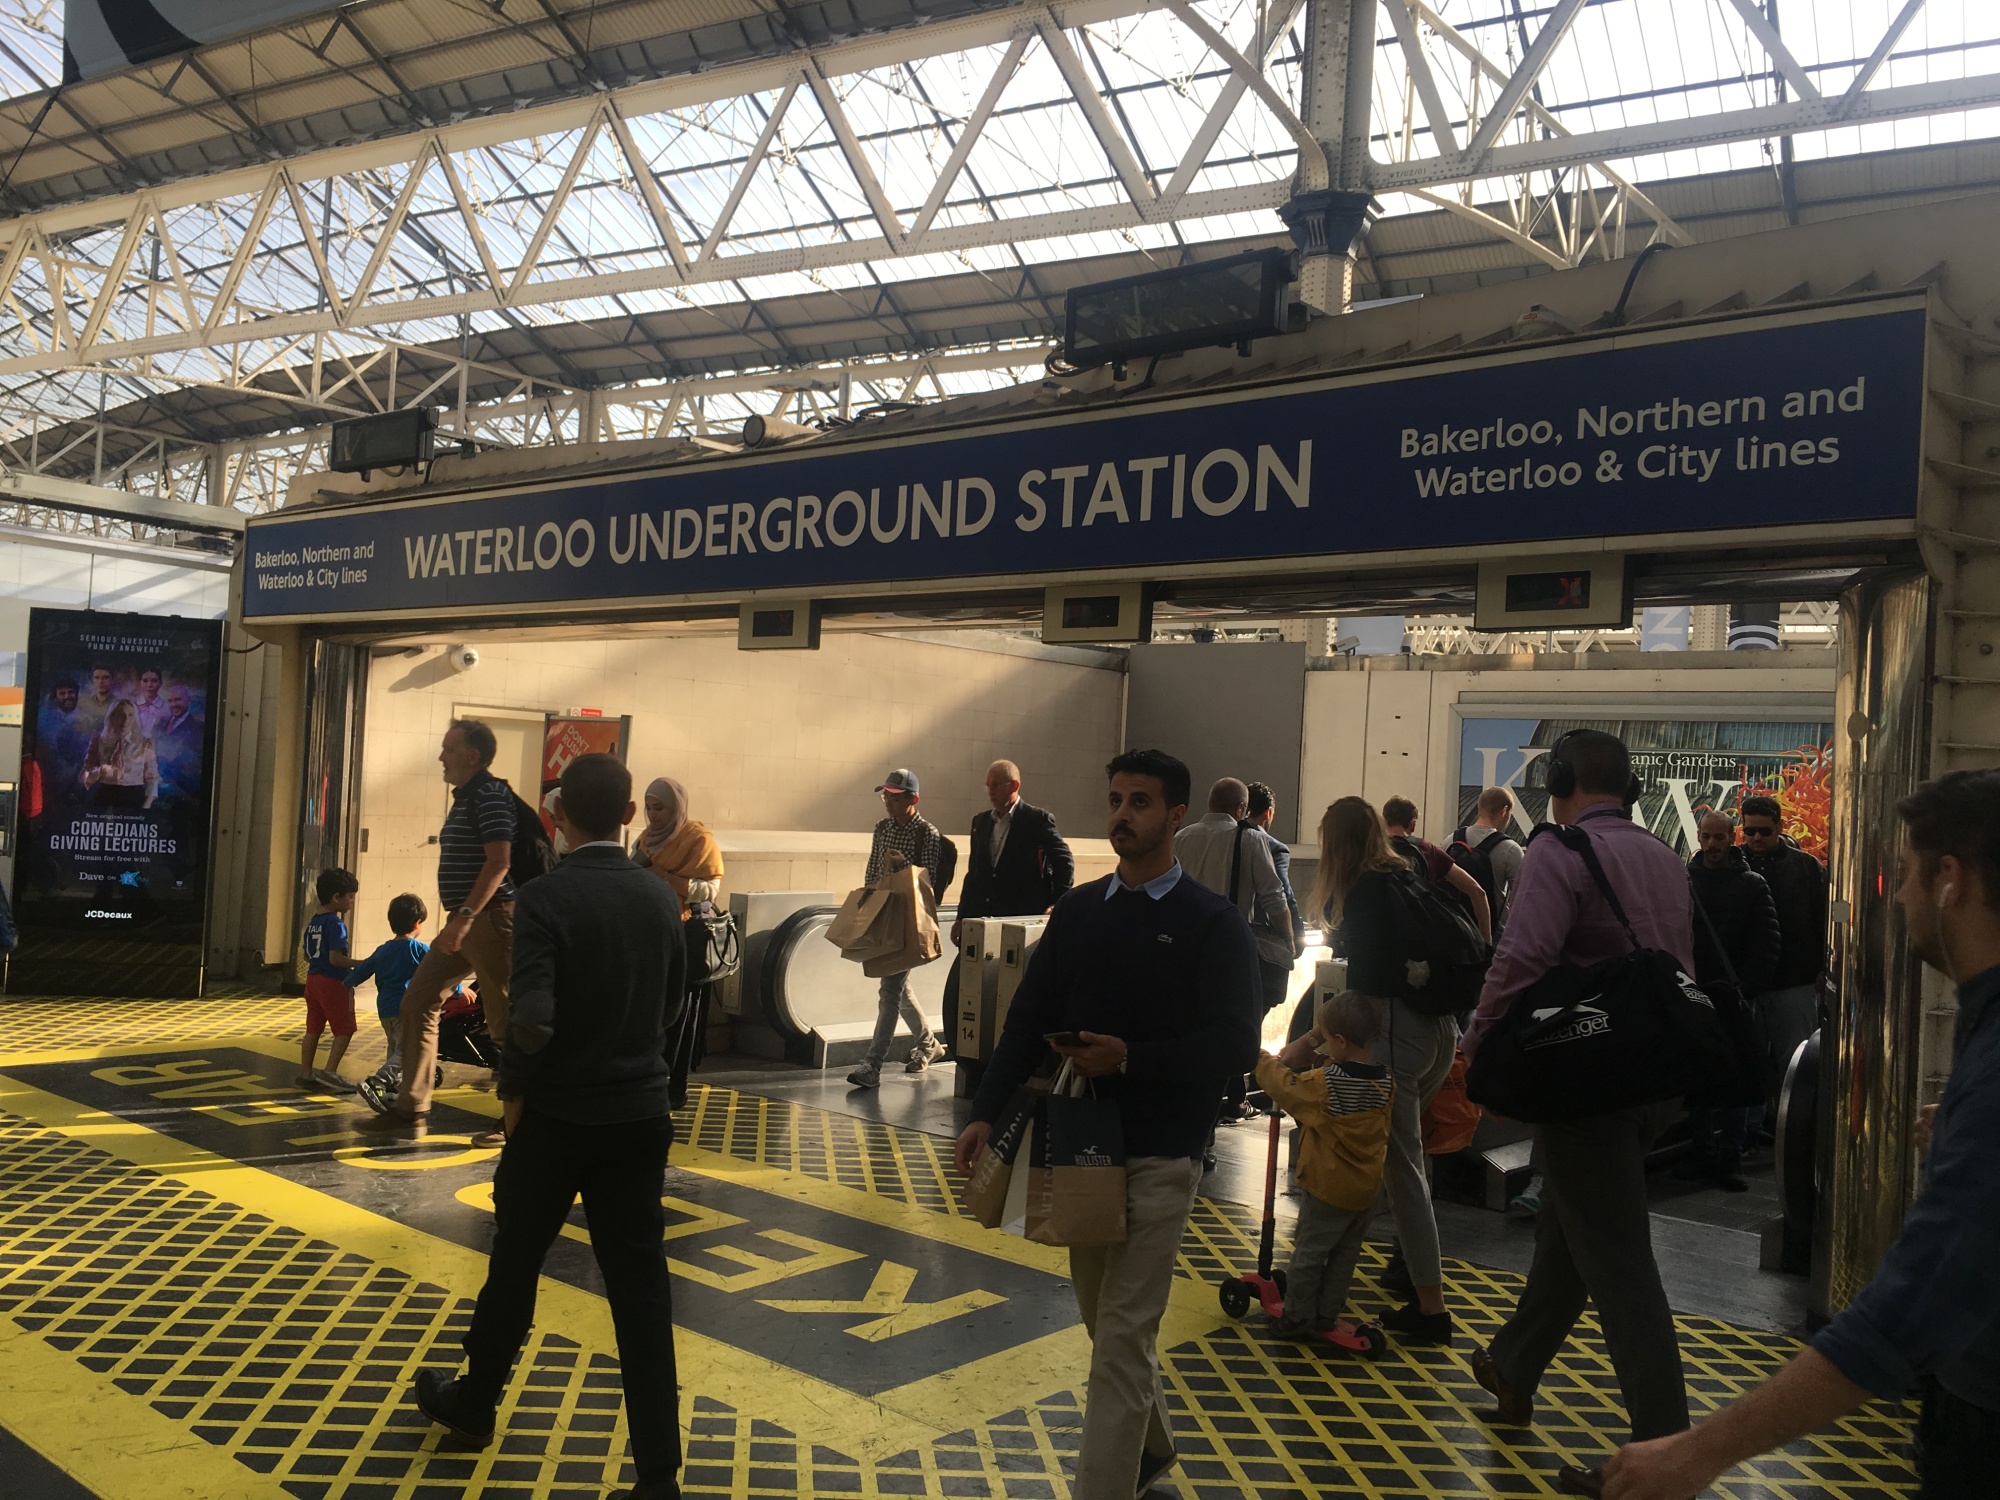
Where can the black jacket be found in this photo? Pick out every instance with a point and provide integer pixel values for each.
(1798, 885)
(1744, 917)
(599, 982)
(1035, 867)
(1174, 979)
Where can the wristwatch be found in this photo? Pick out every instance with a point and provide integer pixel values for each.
(465, 911)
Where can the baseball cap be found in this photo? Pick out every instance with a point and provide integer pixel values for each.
(899, 780)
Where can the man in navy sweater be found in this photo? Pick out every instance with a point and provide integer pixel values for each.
(1930, 1320)
(1156, 976)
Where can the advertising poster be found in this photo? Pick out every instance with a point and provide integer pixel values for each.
(1686, 767)
(117, 748)
(568, 736)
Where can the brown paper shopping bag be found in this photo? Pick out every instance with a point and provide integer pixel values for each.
(868, 924)
(916, 911)
(1076, 1172)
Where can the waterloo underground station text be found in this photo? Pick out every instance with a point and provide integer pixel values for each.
(1106, 493)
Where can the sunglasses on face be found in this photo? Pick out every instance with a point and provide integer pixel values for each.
(1759, 833)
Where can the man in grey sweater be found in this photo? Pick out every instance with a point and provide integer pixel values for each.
(599, 984)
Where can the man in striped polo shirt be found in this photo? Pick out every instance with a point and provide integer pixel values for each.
(475, 851)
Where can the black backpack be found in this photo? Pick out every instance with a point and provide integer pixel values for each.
(1444, 957)
(534, 852)
(947, 869)
(1477, 861)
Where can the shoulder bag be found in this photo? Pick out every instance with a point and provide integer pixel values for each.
(1586, 1040)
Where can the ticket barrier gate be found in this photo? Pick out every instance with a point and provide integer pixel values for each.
(993, 953)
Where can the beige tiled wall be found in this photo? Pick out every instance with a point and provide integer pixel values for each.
(763, 740)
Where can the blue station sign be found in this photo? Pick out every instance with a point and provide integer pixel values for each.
(1812, 421)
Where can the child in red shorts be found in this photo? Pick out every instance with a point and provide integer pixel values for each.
(329, 1002)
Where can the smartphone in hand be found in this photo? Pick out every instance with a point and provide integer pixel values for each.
(1063, 1038)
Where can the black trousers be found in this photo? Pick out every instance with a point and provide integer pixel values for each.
(620, 1171)
(1956, 1446)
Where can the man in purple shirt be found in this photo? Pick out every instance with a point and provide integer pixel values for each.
(1593, 1238)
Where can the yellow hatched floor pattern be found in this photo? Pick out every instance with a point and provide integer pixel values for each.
(275, 1354)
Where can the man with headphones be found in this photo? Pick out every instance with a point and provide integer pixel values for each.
(1930, 1320)
(1593, 1237)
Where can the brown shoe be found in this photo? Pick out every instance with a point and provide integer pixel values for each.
(1574, 1479)
(487, 1138)
(1512, 1407)
(391, 1123)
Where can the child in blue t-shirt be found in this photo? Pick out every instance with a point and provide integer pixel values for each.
(391, 966)
(329, 1002)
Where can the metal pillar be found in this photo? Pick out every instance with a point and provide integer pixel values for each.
(1870, 1074)
(330, 795)
(1338, 98)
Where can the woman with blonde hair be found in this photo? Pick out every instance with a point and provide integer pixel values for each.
(1354, 894)
(675, 847)
(120, 767)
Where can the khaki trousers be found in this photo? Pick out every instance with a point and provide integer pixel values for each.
(1121, 1290)
(488, 953)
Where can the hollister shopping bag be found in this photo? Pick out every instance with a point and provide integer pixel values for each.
(868, 924)
(995, 1183)
(1076, 1174)
(916, 916)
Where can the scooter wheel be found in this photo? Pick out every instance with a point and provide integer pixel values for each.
(1376, 1340)
(1234, 1295)
(1278, 1281)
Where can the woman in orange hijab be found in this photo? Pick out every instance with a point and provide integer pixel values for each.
(675, 847)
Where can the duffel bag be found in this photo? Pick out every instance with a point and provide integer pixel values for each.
(1584, 1040)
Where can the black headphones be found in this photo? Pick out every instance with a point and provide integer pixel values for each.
(1560, 776)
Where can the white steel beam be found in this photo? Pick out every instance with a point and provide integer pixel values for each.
(1793, 117)
(1775, 48)
(1554, 29)
(123, 505)
(1117, 150)
(1892, 35)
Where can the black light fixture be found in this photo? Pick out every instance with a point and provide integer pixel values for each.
(1200, 306)
(395, 439)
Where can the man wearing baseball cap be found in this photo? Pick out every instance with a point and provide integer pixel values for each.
(902, 838)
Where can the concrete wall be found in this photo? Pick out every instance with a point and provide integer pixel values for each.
(776, 743)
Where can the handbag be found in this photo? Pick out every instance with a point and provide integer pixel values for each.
(1585, 1040)
(1076, 1170)
(988, 1191)
(714, 946)
(1450, 1120)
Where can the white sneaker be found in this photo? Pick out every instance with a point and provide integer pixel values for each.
(923, 1055)
(867, 1076)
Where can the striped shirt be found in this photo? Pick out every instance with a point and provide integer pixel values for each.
(917, 841)
(1355, 1088)
(482, 813)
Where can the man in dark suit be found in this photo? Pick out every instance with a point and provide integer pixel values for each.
(599, 981)
(1017, 866)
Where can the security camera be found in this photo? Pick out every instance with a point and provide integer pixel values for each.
(761, 431)
(462, 658)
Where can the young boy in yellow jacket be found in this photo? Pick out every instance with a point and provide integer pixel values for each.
(1343, 1114)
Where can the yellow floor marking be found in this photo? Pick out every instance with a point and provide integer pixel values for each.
(927, 1408)
(812, 1408)
(106, 1440)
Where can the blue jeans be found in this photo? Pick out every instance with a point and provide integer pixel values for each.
(894, 1001)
